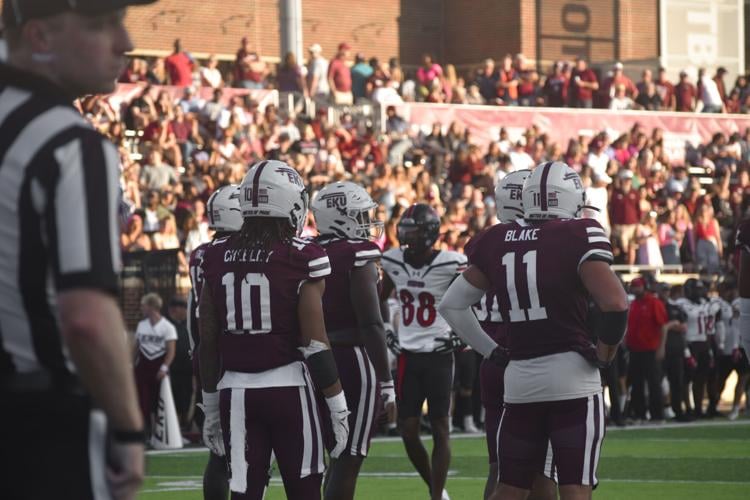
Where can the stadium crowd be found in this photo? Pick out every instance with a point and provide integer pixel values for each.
(656, 209)
(351, 78)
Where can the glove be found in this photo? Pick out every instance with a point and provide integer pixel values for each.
(500, 356)
(691, 363)
(339, 421)
(387, 392)
(391, 340)
(450, 344)
(212, 436)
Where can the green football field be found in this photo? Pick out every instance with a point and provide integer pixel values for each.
(710, 461)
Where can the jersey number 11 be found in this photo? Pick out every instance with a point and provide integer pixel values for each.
(536, 311)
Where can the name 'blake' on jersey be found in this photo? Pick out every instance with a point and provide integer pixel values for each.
(256, 295)
(419, 290)
(534, 269)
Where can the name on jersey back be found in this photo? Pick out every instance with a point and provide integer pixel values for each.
(522, 235)
(248, 255)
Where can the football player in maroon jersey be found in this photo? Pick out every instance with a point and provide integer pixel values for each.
(509, 206)
(343, 217)
(225, 218)
(264, 345)
(544, 267)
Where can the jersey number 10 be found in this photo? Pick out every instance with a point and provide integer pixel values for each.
(254, 304)
(536, 311)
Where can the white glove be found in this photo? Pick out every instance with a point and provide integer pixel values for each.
(339, 421)
(212, 436)
(387, 393)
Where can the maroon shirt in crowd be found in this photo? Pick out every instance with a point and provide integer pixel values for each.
(180, 69)
(685, 94)
(624, 208)
(579, 93)
(341, 75)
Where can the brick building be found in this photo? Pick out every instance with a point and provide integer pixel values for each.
(459, 31)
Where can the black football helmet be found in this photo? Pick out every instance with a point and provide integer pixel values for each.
(694, 290)
(418, 229)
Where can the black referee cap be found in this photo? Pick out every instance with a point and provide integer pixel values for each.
(17, 12)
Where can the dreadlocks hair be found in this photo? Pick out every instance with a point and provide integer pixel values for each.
(260, 233)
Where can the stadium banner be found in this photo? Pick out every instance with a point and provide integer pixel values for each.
(702, 34)
(562, 124)
(126, 92)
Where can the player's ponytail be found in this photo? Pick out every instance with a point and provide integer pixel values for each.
(263, 232)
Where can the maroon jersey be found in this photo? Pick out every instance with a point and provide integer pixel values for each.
(487, 310)
(743, 235)
(345, 255)
(196, 285)
(255, 295)
(534, 269)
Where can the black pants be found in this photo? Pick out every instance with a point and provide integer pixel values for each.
(53, 446)
(674, 366)
(703, 376)
(611, 377)
(645, 369)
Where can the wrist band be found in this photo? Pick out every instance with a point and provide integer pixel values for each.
(129, 436)
(164, 368)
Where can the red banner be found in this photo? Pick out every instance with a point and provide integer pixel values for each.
(563, 124)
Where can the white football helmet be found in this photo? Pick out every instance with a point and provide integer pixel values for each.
(508, 195)
(223, 209)
(553, 191)
(272, 188)
(344, 209)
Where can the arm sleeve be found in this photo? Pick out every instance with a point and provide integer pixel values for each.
(81, 214)
(455, 308)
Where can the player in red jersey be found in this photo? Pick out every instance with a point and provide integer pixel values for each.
(264, 344)
(225, 218)
(343, 216)
(509, 207)
(743, 241)
(544, 268)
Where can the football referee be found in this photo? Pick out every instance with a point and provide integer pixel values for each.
(70, 425)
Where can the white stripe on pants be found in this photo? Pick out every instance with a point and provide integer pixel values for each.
(594, 438)
(237, 441)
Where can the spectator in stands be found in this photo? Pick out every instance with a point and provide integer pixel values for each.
(179, 66)
(317, 74)
(210, 74)
(597, 196)
(625, 214)
(135, 71)
(644, 338)
(486, 81)
(426, 74)
(185, 130)
(474, 95)
(133, 239)
(520, 158)
(719, 80)
(289, 76)
(649, 98)
(685, 93)
(646, 79)
(556, 86)
(157, 175)
(648, 252)
(361, 73)
(710, 96)
(583, 85)
(669, 239)
(666, 90)
(340, 76)
(528, 80)
(613, 83)
(708, 245)
(507, 85)
(250, 71)
(620, 101)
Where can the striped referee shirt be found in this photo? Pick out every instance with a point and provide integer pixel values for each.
(59, 196)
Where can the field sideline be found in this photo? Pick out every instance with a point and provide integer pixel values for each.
(669, 462)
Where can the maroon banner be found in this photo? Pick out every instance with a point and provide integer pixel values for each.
(563, 124)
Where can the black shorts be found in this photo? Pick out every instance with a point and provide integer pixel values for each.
(53, 446)
(424, 376)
